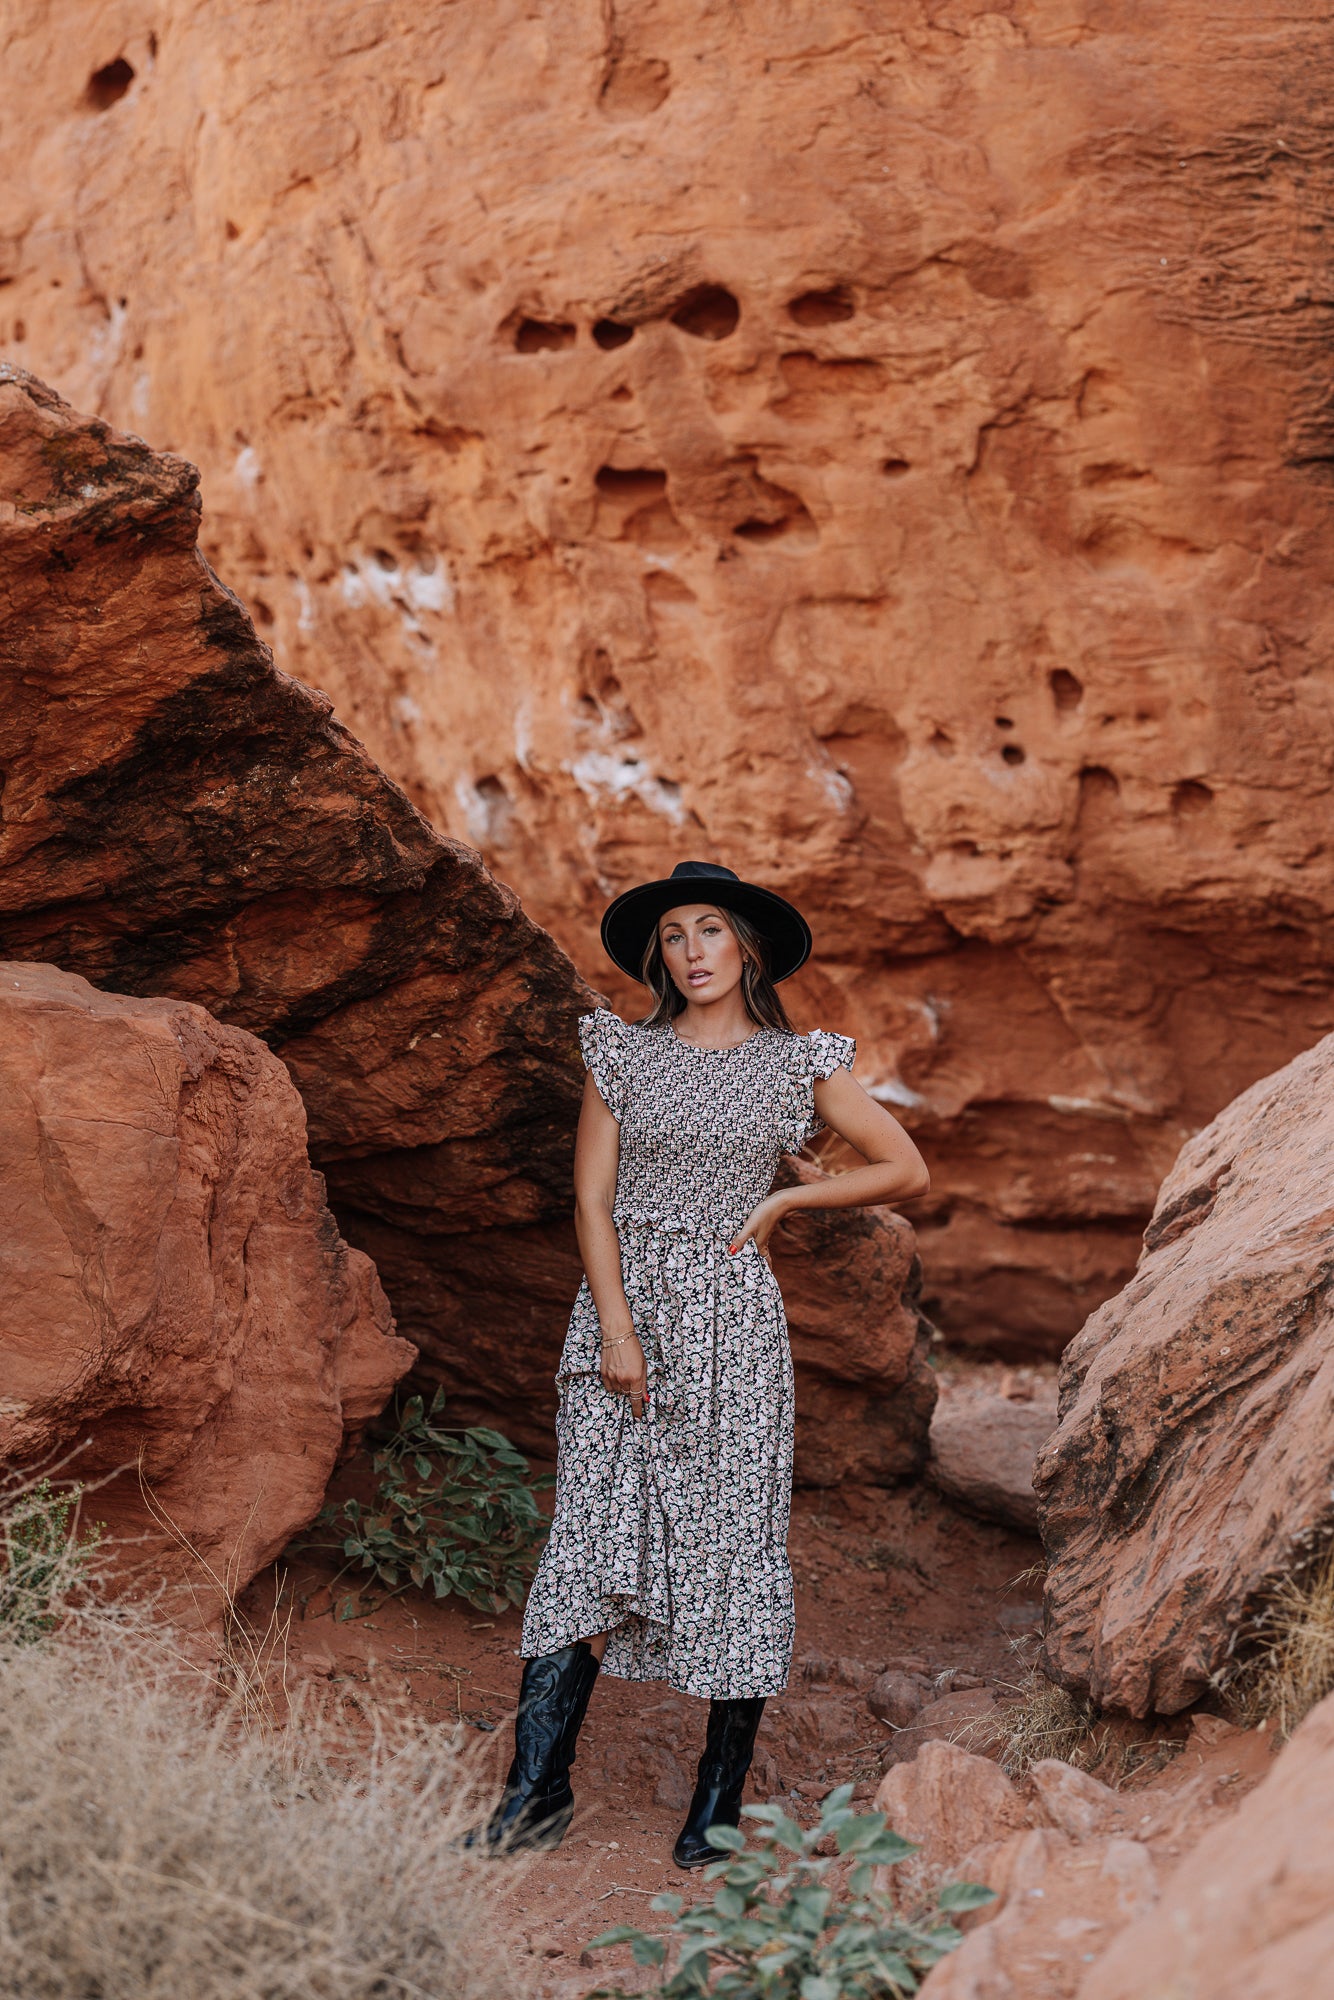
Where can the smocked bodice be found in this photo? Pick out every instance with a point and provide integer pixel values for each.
(702, 1130)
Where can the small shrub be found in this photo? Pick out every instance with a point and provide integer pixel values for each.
(156, 1846)
(454, 1512)
(45, 1560)
(774, 1931)
(1291, 1666)
(153, 1848)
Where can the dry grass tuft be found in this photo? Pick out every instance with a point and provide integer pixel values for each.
(1291, 1667)
(1038, 1719)
(253, 1665)
(1035, 1719)
(155, 1844)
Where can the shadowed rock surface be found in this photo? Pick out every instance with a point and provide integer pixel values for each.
(887, 451)
(181, 818)
(176, 1304)
(1194, 1461)
(488, 1311)
(851, 1287)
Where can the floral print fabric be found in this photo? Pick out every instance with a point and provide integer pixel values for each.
(671, 1532)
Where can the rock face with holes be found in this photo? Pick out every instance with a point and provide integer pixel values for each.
(181, 1324)
(890, 456)
(1194, 1461)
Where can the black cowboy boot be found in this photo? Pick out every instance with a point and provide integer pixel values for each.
(538, 1801)
(729, 1745)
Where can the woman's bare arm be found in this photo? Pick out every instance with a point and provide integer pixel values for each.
(895, 1170)
(597, 1152)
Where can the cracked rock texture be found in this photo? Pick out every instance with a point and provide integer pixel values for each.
(180, 818)
(181, 1324)
(887, 449)
(1194, 1461)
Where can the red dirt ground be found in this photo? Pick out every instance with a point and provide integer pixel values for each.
(885, 1578)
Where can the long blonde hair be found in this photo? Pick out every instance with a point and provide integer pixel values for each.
(758, 991)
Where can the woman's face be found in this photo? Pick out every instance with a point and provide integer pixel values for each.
(700, 951)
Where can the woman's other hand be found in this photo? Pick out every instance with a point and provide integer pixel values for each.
(624, 1371)
(760, 1225)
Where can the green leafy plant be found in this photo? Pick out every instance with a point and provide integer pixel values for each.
(44, 1558)
(454, 1512)
(774, 1929)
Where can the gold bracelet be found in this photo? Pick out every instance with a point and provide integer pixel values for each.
(607, 1345)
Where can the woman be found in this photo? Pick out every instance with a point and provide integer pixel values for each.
(668, 1551)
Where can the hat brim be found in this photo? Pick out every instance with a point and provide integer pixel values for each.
(629, 923)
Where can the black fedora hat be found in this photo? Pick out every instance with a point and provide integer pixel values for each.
(628, 926)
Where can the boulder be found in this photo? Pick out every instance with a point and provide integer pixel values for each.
(180, 817)
(1249, 1914)
(983, 1450)
(1055, 1852)
(1194, 1460)
(955, 1717)
(955, 1807)
(851, 1285)
(936, 527)
(1059, 1904)
(181, 1325)
(898, 1698)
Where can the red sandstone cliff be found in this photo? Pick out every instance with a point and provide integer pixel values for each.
(887, 448)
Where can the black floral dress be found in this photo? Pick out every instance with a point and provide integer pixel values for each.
(671, 1532)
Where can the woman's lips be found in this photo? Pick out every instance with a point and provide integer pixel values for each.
(698, 978)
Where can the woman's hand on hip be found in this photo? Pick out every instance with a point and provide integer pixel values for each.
(760, 1225)
(624, 1371)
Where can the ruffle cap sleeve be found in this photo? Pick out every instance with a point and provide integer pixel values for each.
(602, 1037)
(814, 1059)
